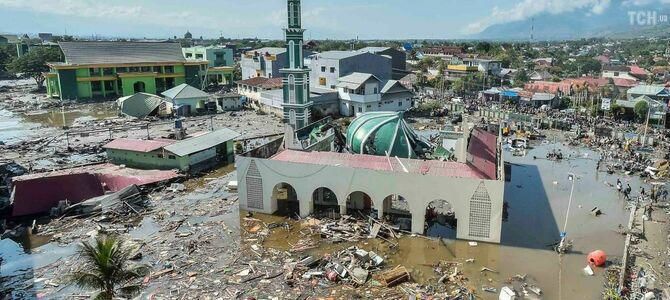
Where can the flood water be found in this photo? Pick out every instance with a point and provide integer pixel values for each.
(537, 196)
(15, 127)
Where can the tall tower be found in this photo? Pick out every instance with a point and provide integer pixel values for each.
(295, 76)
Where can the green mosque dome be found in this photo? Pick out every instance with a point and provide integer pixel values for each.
(384, 133)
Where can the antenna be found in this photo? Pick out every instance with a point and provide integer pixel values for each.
(532, 28)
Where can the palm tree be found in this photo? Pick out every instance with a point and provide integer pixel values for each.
(106, 268)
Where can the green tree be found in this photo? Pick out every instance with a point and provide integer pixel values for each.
(521, 77)
(34, 63)
(6, 56)
(106, 268)
(641, 108)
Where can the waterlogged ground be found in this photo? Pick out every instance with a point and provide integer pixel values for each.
(207, 218)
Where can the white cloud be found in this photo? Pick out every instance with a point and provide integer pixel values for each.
(132, 12)
(529, 8)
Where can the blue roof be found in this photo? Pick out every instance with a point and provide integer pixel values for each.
(509, 93)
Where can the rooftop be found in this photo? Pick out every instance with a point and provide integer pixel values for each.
(263, 82)
(202, 142)
(381, 163)
(268, 50)
(82, 53)
(338, 54)
(138, 145)
(184, 91)
(648, 90)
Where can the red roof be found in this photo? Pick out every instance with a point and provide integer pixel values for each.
(38, 192)
(623, 82)
(636, 70)
(138, 145)
(381, 163)
(482, 152)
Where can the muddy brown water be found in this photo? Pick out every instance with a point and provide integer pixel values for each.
(537, 195)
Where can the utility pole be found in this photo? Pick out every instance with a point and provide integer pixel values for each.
(646, 125)
(562, 248)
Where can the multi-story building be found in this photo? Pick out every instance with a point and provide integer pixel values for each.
(220, 62)
(263, 62)
(360, 93)
(114, 69)
(297, 104)
(328, 67)
(398, 58)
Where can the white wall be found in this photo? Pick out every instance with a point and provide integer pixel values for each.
(419, 190)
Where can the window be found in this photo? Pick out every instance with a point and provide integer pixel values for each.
(360, 109)
(333, 87)
(169, 69)
(400, 103)
(146, 69)
(109, 85)
(332, 69)
(374, 91)
(198, 56)
(323, 68)
(218, 56)
(134, 69)
(189, 55)
(322, 81)
(616, 73)
(94, 71)
(171, 157)
(291, 54)
(96, 86)
(108, 71)
(156, 69)
(122, 70)
(368, 106)
(291, 88)
(292, 117)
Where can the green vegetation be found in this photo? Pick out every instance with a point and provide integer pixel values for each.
(641, 109)
(33, 64)
(106, 268)
(7, 54)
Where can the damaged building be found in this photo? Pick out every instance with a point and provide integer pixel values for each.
(283, 178)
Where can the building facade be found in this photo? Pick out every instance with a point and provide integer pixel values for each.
(221, 63)
(263, 62)
(116, 69)
(361, 93)
(296, 105)
(328, 67)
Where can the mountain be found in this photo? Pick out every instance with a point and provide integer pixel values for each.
(614, 22)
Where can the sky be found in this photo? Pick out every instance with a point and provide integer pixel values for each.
(323, 19)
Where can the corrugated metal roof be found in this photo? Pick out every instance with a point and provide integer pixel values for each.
(139, 105)
(184, 91)
(647, 89)
(203, 142)
(137, 145)
(381, 163)
(120, 52)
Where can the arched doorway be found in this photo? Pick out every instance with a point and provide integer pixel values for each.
(359, 203)
(396, 211)
(138, 87)
(325, 202)
(287, 200)
(441, 219)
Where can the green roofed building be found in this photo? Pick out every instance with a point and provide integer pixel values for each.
(117, 69)
(385, 134)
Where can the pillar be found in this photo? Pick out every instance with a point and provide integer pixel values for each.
(343, 209)
(418, 220)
